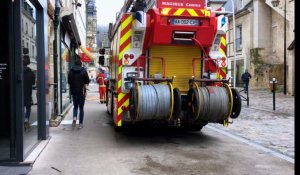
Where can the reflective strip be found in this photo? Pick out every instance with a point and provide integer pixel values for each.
(192, 12)
(124, 50)
(222, 51)
(120, 123)
(127, 21)
(205, 12)
(121, 95)
(179, 12)
(223, 41)
(165, 11)
(125, 37)
(124, 45)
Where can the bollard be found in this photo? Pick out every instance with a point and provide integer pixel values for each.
(247, 97)
(274, 91)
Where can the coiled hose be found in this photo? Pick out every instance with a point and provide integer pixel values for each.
(154, 102)
(214, 104)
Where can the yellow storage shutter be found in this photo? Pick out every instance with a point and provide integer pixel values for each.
(178, 61)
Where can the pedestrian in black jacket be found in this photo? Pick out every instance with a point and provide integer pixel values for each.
(29, 81)
(246, 77)
(78, 78)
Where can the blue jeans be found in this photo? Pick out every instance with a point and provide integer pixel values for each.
(27, 111)
(246, 84)
(78, 101)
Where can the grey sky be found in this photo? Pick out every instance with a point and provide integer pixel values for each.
(107, 9)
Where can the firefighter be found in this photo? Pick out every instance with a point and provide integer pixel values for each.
(101, 80)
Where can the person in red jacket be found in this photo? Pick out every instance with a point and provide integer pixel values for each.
(101, 80)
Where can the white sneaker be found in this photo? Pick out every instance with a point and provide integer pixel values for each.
(74, 123)
(80, 126)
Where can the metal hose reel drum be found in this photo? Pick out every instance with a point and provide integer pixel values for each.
(150, 102)
(211, 103)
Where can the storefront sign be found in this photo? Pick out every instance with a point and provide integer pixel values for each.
(192, 4)
(3, 71)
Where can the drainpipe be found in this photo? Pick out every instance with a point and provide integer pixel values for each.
(55, 56)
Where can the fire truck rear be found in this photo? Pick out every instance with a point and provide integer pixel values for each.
(168, 66)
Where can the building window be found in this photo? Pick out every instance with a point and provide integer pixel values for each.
(239, 38)
(33, 51)
(32, 31)
(27, 46)
(274, 38)
(26, 25)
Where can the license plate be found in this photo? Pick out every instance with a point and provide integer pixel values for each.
(189, 22)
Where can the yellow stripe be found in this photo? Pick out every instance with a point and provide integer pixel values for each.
(120, 70)
(133, 22)
(165, 11)
(224, 70)
(202, 11)
(192, 12)
(119, 83)
(120, 123)
(122, 52)
(125, 37)
(126, 104)
(207, 13)
(126, 22)
(120, 96)
(223, 41)
(222, 51)
(120, 110)
(179, 12)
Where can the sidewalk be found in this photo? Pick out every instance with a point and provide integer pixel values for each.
(260, 124)
(78, 151)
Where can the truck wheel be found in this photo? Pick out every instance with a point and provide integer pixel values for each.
(193, 103)
(133, 103)
(177, 103)
(237, 104)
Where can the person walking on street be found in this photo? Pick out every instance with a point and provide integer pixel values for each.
(29, 81)
(78, 79)
(101, 80)
(246, 76)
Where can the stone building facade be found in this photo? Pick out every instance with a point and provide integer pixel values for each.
(259, 42)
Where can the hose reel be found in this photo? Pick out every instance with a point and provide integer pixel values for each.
(210, 103)
(155, 101)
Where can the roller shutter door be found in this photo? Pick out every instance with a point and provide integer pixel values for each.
(178, 62)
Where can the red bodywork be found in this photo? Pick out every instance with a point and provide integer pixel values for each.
(161, 28)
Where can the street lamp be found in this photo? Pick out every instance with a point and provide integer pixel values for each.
(275, 3)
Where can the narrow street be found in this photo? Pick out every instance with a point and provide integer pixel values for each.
(98, 149)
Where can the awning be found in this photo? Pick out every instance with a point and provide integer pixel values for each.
(87, 54)
(65, 55)
(69, 24)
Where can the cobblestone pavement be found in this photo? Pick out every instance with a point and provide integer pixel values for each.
(260, 124)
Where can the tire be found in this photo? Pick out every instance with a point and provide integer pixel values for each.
(237, 104)
(177, 103)
(193, 103)
(133, 103)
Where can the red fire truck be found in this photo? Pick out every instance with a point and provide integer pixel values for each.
(168, 65)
